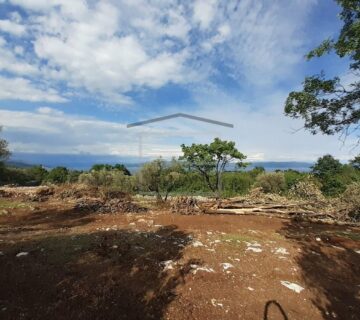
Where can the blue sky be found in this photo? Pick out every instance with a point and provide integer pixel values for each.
(73, 73)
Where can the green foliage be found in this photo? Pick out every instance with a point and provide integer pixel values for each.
(107, 180)
(109, 167)
(160, 177)
(326, 105)
(4, 151)
(326, 166)
(211, 159)
(236, 183)
(57, 175)
(292, 177)
(355, 163)
(256, 171)
(328, 171)
(271, 182)
(37, 174)
(73, 176)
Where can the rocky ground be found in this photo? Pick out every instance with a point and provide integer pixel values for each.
(59, 262)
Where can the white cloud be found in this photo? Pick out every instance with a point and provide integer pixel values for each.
(113, 48)
(49, 111)
(12, 27)
(10, 63)
(204, 12)
(23, 89)
(35, 132)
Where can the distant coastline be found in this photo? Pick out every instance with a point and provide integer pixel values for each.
(85, 161)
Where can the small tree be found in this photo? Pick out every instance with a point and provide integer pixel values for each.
(37, 173)
(58, 175)
(328, 170)
(160, 177)
(211, 159)
(109, 167)
(325, 166)
(4, 155)
(4, 151)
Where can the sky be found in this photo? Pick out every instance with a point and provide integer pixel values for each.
(74, 73)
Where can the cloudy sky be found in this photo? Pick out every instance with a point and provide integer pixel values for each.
(73, 73)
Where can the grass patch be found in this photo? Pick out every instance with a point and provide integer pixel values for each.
(350, 235)
(11, 204)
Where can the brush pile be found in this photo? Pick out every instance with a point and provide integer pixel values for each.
(186, 206)
(108, 206)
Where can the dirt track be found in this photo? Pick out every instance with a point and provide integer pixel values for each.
(158, 265)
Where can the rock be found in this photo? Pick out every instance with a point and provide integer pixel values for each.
(292, 286)
(281, 251)
(22, 254)
(226, 265)
(197, 244)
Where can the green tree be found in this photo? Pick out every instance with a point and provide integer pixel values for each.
(122, 168)
(329, 171)
(4, 155)
(4, 151)
(355, 162)
(326, 105)
(211, 159)
(37, 173)
(109, 167)
(160, 177)
(58, 175)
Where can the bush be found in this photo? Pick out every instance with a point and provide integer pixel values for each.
(58, 175)
(108, 181)
(272, 182)
(292, 177)
(236, 183)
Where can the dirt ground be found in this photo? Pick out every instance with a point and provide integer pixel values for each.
(56, 263)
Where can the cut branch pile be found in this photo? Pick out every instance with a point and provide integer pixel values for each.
(186, 206)
(108, 206)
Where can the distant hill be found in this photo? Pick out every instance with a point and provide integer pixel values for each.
(85, 161)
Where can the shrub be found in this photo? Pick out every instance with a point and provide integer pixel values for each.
(57, 175)
(272, 182)
(236, 183)
(160, 177)
(292, 177)
(108, 181)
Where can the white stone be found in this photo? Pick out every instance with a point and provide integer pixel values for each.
(22, 254)
(292, 286)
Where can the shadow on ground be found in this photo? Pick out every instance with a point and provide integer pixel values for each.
(45, 219)
(103, 275)
(330, 268)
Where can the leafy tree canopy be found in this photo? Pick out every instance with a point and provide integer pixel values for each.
(355, 162)
(326, 166)
(4, 151)
(211, 159)
(160, 176)
(326, 105)
(58, 175)
(109, 167)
